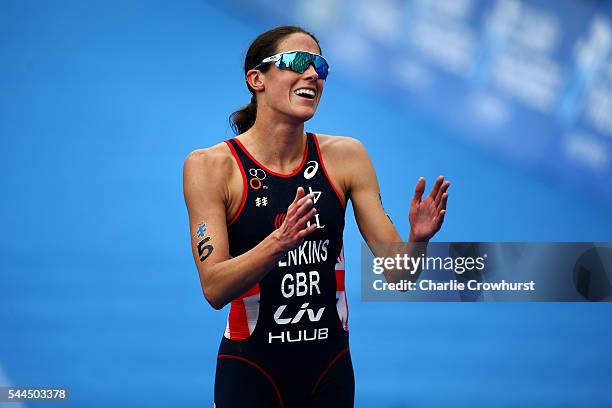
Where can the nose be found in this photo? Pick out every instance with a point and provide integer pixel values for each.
(311, 72)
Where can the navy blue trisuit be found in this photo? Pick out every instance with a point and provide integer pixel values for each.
(286, 342)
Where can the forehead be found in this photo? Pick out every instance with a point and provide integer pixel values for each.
(298, 41)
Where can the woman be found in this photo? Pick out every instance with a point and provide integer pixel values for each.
(266, 212)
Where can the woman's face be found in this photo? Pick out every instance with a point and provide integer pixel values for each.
(280, 84)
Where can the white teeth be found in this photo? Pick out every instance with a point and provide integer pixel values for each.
(304, 91)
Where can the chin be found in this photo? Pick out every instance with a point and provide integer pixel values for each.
(305, 114)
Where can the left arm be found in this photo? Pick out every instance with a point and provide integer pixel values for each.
(426, 216)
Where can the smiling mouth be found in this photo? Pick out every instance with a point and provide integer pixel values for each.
(305, 93)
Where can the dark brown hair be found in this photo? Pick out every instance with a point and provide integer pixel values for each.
(264, 46)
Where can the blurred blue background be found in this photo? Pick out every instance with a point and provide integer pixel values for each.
(101, 102)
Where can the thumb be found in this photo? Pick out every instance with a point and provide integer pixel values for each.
(299, 194)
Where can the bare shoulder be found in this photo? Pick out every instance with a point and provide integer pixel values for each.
(338, 147)
(343, 156)
(217, 157)
(209, 169)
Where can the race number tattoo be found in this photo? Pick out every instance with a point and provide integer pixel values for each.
(204, 247)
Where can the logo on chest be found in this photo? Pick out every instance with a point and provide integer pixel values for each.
(311, 169)
(279, 219)
(261, 201)
(257, 177)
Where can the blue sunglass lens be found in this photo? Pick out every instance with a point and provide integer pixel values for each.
(299, 62)
(321, 67)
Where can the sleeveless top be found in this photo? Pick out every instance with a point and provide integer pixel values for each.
(302, 300)
(291, 328)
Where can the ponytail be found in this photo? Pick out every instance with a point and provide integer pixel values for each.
(244, 118)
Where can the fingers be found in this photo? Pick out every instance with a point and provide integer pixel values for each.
(442, 204)
(436, 188)
(441, 192)
(299, 194)
(302, 216)
(303, 205)
(441, 219)
(302, 221)
(419, 190)
(305, 232)
(294, 228)
(299, 212)
(301, 230)
(298, 201)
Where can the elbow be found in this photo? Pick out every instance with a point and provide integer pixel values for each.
(212, 297)
(214, 302)
(215, 305)
(211, 291)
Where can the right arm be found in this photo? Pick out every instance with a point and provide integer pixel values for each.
(206, 194)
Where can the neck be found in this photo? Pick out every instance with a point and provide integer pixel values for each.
(276, 143)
